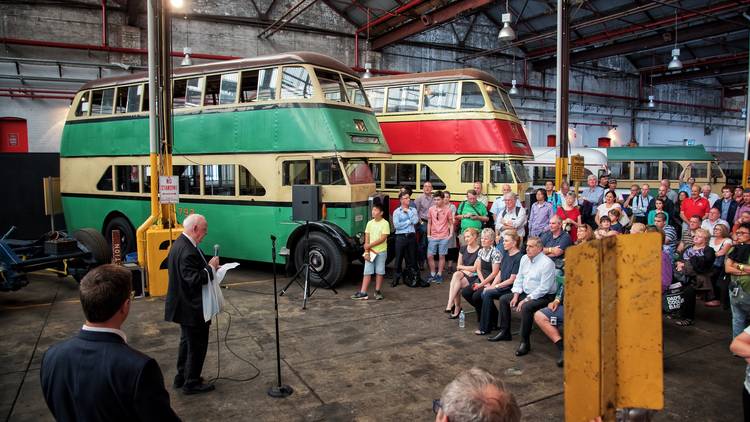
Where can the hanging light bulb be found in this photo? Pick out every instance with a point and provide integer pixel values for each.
(744, 112)
(507, 33)
(651, 103)
(513, 89)
(367, 74)
(675, 64)
(187, 61)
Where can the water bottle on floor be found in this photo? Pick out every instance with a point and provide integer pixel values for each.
(461, 319)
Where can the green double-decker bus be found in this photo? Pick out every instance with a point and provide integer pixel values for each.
(245, 132)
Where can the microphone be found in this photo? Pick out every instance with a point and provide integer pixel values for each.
(216, 249)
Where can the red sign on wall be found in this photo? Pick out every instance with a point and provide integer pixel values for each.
(13, 135)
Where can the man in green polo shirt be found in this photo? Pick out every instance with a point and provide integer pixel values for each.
(471, 213)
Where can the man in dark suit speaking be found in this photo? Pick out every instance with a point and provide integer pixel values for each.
(96, 376)
(189, 270)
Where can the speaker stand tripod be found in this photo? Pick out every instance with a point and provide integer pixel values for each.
(307, 268)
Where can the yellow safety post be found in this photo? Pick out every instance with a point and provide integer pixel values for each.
(561, 171)
(613, 327)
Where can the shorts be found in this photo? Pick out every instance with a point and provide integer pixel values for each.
(438, 246)
(557, 314)
(377, 266)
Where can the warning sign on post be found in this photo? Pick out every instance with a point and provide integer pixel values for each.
(168, 190)
(577, 172)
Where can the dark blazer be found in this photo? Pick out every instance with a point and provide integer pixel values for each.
(732, 209)
(98, 377)
(188, 272)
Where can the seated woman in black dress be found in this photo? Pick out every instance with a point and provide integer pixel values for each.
(465, 271)
(511, 259)
(487, 268)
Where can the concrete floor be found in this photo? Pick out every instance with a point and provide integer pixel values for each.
(364, 361)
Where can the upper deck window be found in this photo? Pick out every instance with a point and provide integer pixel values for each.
(508, 102)
(102, 101)
(220, 89)
(296, 83)
(440, 97)
(496, 98)
(355, 91)
(267, 84)
(128, 99)
(82, 109)
(249, 86)
(471, 96)
(330, 83)
(377, 99)
(403, 98)
(187, 92)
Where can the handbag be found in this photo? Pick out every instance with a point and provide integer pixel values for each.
(672, 300)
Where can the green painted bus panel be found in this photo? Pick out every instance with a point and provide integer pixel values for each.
(91, 212)
(243, 231)
(681, 153)
(248, 131)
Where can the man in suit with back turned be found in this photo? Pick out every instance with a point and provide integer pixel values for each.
(189, 270)
(96, 376)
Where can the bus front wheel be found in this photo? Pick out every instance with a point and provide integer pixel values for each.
(127, 234)
(325, 258)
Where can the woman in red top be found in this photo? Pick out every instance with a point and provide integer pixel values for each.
(570, 215)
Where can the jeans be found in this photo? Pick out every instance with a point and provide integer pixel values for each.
(488, 316)
(740, 304)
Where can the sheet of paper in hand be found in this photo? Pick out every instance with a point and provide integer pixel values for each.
(213, 298)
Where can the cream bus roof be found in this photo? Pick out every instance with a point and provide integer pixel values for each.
(547, 155)
(426, 77)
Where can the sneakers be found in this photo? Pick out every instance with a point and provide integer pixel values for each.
(360, 296)
(378, 295)
(437, 279)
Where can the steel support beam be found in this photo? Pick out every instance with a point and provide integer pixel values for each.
(428, 21)
(286, 18)
(645, 43)
(703, 72)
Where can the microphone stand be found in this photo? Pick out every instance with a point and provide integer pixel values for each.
(279, 390)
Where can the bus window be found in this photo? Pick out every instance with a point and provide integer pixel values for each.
(619, 170)
(543, 173)
(471, 95)
(472, 171)
(134, 99)
(357, 171)
(404, 98)
(189, 179)
(105, 182)
(328, 172)
(102, 101)
(495, 98)
(228, 90)
(218, 179)
(427, 175)
(121, 99)
(267, 84)
(355, 91)
(82, 109)
(522, 176)
(375, 170)
(377, 99)
(699, 170)
(716, 172)
(126, 179)
(440, 96)
(249, 86)
(508, 102)
(249, 185)
(179, 87)
(330, 83)
(646, 170)
(296, 173)
(144, 92)
(296, 83)
(194, 91)
(670, 170)
(401, 174)
(500, 172)
(211, 97)
(146, 171)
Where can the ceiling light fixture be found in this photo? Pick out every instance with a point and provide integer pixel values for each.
(507, 33)
(187, 51)
(513, 88)
(675, 63)
(651, 103)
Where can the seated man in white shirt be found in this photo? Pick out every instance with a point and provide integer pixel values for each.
(713, 219)
(532, 290)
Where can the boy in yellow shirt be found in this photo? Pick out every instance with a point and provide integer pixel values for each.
(376, 235)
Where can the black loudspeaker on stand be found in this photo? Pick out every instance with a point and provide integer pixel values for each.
(279, 390)
(306, 207)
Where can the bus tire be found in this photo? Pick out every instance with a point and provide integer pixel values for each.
(127, 234)
(325, 257)
(95, 243)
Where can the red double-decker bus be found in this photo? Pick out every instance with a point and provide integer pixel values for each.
(452, 128)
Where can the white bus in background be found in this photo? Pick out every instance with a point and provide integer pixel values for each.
(543, 167)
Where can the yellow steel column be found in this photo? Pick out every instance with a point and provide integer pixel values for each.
(613, 335)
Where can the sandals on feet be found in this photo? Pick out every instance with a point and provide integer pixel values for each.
(684, 322)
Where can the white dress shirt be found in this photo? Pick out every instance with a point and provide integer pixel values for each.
(106, 330)
(536, 277)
